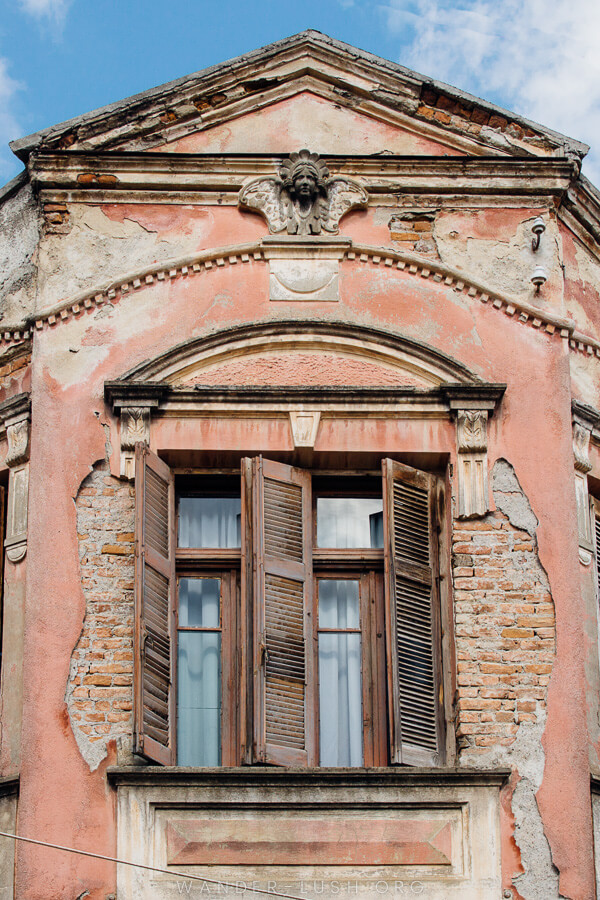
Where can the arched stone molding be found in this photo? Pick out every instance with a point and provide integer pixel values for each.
(254, 253)
(386, 349)
(449, 390)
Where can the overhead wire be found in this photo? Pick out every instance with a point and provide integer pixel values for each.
(124, 862)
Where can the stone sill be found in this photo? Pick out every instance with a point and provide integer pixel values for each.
(254, 776)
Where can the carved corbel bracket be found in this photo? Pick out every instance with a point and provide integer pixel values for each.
(471, 444)
(581, 447)
(133, 402)
(472, 405)
(135, 429)
(15, 416)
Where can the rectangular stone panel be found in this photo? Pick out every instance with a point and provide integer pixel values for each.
(351, 840)
(315, 835)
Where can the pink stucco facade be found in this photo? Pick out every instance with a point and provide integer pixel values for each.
(143, 284)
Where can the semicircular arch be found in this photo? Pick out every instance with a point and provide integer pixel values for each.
(301, 350)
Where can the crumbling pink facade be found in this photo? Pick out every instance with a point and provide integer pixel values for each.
(166, 288)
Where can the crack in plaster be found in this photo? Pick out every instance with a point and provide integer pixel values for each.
(540, 878)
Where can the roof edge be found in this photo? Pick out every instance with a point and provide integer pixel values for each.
(12, 186)
(23, 146)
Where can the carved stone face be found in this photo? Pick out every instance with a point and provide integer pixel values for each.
(305, 184)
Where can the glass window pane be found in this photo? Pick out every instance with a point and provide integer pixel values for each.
(210, 521)
(340, 700)
(350, 522)
(199, 698)
(338, 604)
(199, 602)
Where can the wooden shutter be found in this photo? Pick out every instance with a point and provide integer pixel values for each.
(412, 616)
(154, 653)
(284, 731)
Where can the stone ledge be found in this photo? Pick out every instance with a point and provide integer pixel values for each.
(255, 776)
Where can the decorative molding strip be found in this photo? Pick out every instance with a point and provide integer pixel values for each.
(410, 263)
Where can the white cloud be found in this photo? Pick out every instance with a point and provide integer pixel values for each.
(51, 10)
(537, 58)
(9, 126)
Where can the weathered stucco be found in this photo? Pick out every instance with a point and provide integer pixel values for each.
(138, 254)
(505, 639)
(19, 236)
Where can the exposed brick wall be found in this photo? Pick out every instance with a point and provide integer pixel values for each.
(413, 230)
(505, 633)
(99, 694)
(469, 118)
(56, 218)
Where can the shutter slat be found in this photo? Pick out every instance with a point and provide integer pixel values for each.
(412, 616)
(154, 695)
(281, 498)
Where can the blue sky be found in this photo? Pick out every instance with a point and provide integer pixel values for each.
(62, 58)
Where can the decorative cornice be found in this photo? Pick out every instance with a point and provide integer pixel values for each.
(585, 415)
(410, 263)
(218, 178)
(122, 394)
(475, 396)
(327, 400)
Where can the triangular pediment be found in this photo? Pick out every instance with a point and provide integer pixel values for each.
(310, 90)
(305, 115)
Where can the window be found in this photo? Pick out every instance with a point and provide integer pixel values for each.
(288, 618)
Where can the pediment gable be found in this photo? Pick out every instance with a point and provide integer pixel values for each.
(308, 74)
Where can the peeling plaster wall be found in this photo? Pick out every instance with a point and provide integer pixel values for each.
(505, 644)
(103, 244)
(99, 692)
(494, 246)
(19, 236)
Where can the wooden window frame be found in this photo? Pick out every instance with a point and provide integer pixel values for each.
(229, 629)
(240, 739)
(373, 673)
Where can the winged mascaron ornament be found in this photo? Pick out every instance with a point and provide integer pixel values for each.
(303, 199)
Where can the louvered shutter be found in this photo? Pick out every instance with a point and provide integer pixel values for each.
(154, 654)
(412, 616)
(283, 716)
